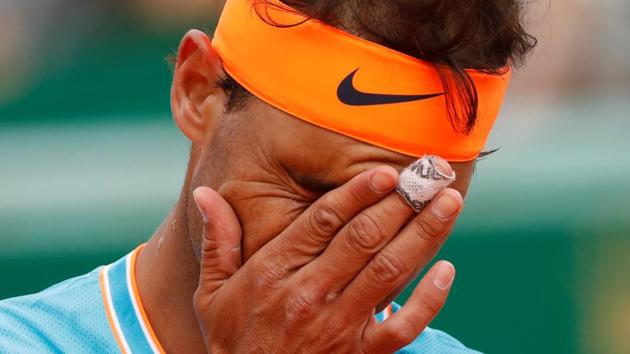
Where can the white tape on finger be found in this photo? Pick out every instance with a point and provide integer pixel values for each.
(422, 181)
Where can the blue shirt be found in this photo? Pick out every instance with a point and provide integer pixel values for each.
(101, 312)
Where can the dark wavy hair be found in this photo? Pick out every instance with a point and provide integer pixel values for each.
(454, 35)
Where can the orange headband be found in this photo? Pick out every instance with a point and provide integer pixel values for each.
(349, 85)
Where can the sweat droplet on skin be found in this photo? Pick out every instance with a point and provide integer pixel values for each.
(423, 180)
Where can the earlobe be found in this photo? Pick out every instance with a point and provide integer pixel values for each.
(195, 98)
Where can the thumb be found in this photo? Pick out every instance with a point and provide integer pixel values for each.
(221, 241)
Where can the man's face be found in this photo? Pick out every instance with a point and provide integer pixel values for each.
(271, 167)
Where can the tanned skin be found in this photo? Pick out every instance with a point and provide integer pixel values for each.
(269, 166)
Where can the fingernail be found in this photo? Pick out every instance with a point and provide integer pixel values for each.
(382, 182)
(444, 276)
(203, 213)
(442, 166)
(446, 206)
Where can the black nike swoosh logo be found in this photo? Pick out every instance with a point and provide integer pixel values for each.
(348, 94)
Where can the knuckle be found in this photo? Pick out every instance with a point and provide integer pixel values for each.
(361, 193)
(324, 220)
(301, 305)
(201, 302)
(198, 300)
(269, 274)
(430, 305)
(210, 248)
(365, 234)
(386, 269)
(428, 230)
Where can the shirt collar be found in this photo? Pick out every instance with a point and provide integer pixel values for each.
(124, 309)
(126, 314)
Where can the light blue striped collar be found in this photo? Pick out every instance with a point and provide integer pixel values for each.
(125, 312)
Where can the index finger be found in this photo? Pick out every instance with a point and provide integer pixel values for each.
(313, 230)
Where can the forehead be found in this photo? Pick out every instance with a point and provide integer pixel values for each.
(309, 140)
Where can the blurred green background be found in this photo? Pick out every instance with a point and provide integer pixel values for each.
(91, 162)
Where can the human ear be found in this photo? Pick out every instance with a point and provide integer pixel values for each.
(196, 101)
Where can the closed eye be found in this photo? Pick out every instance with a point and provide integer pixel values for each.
(314, 184)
